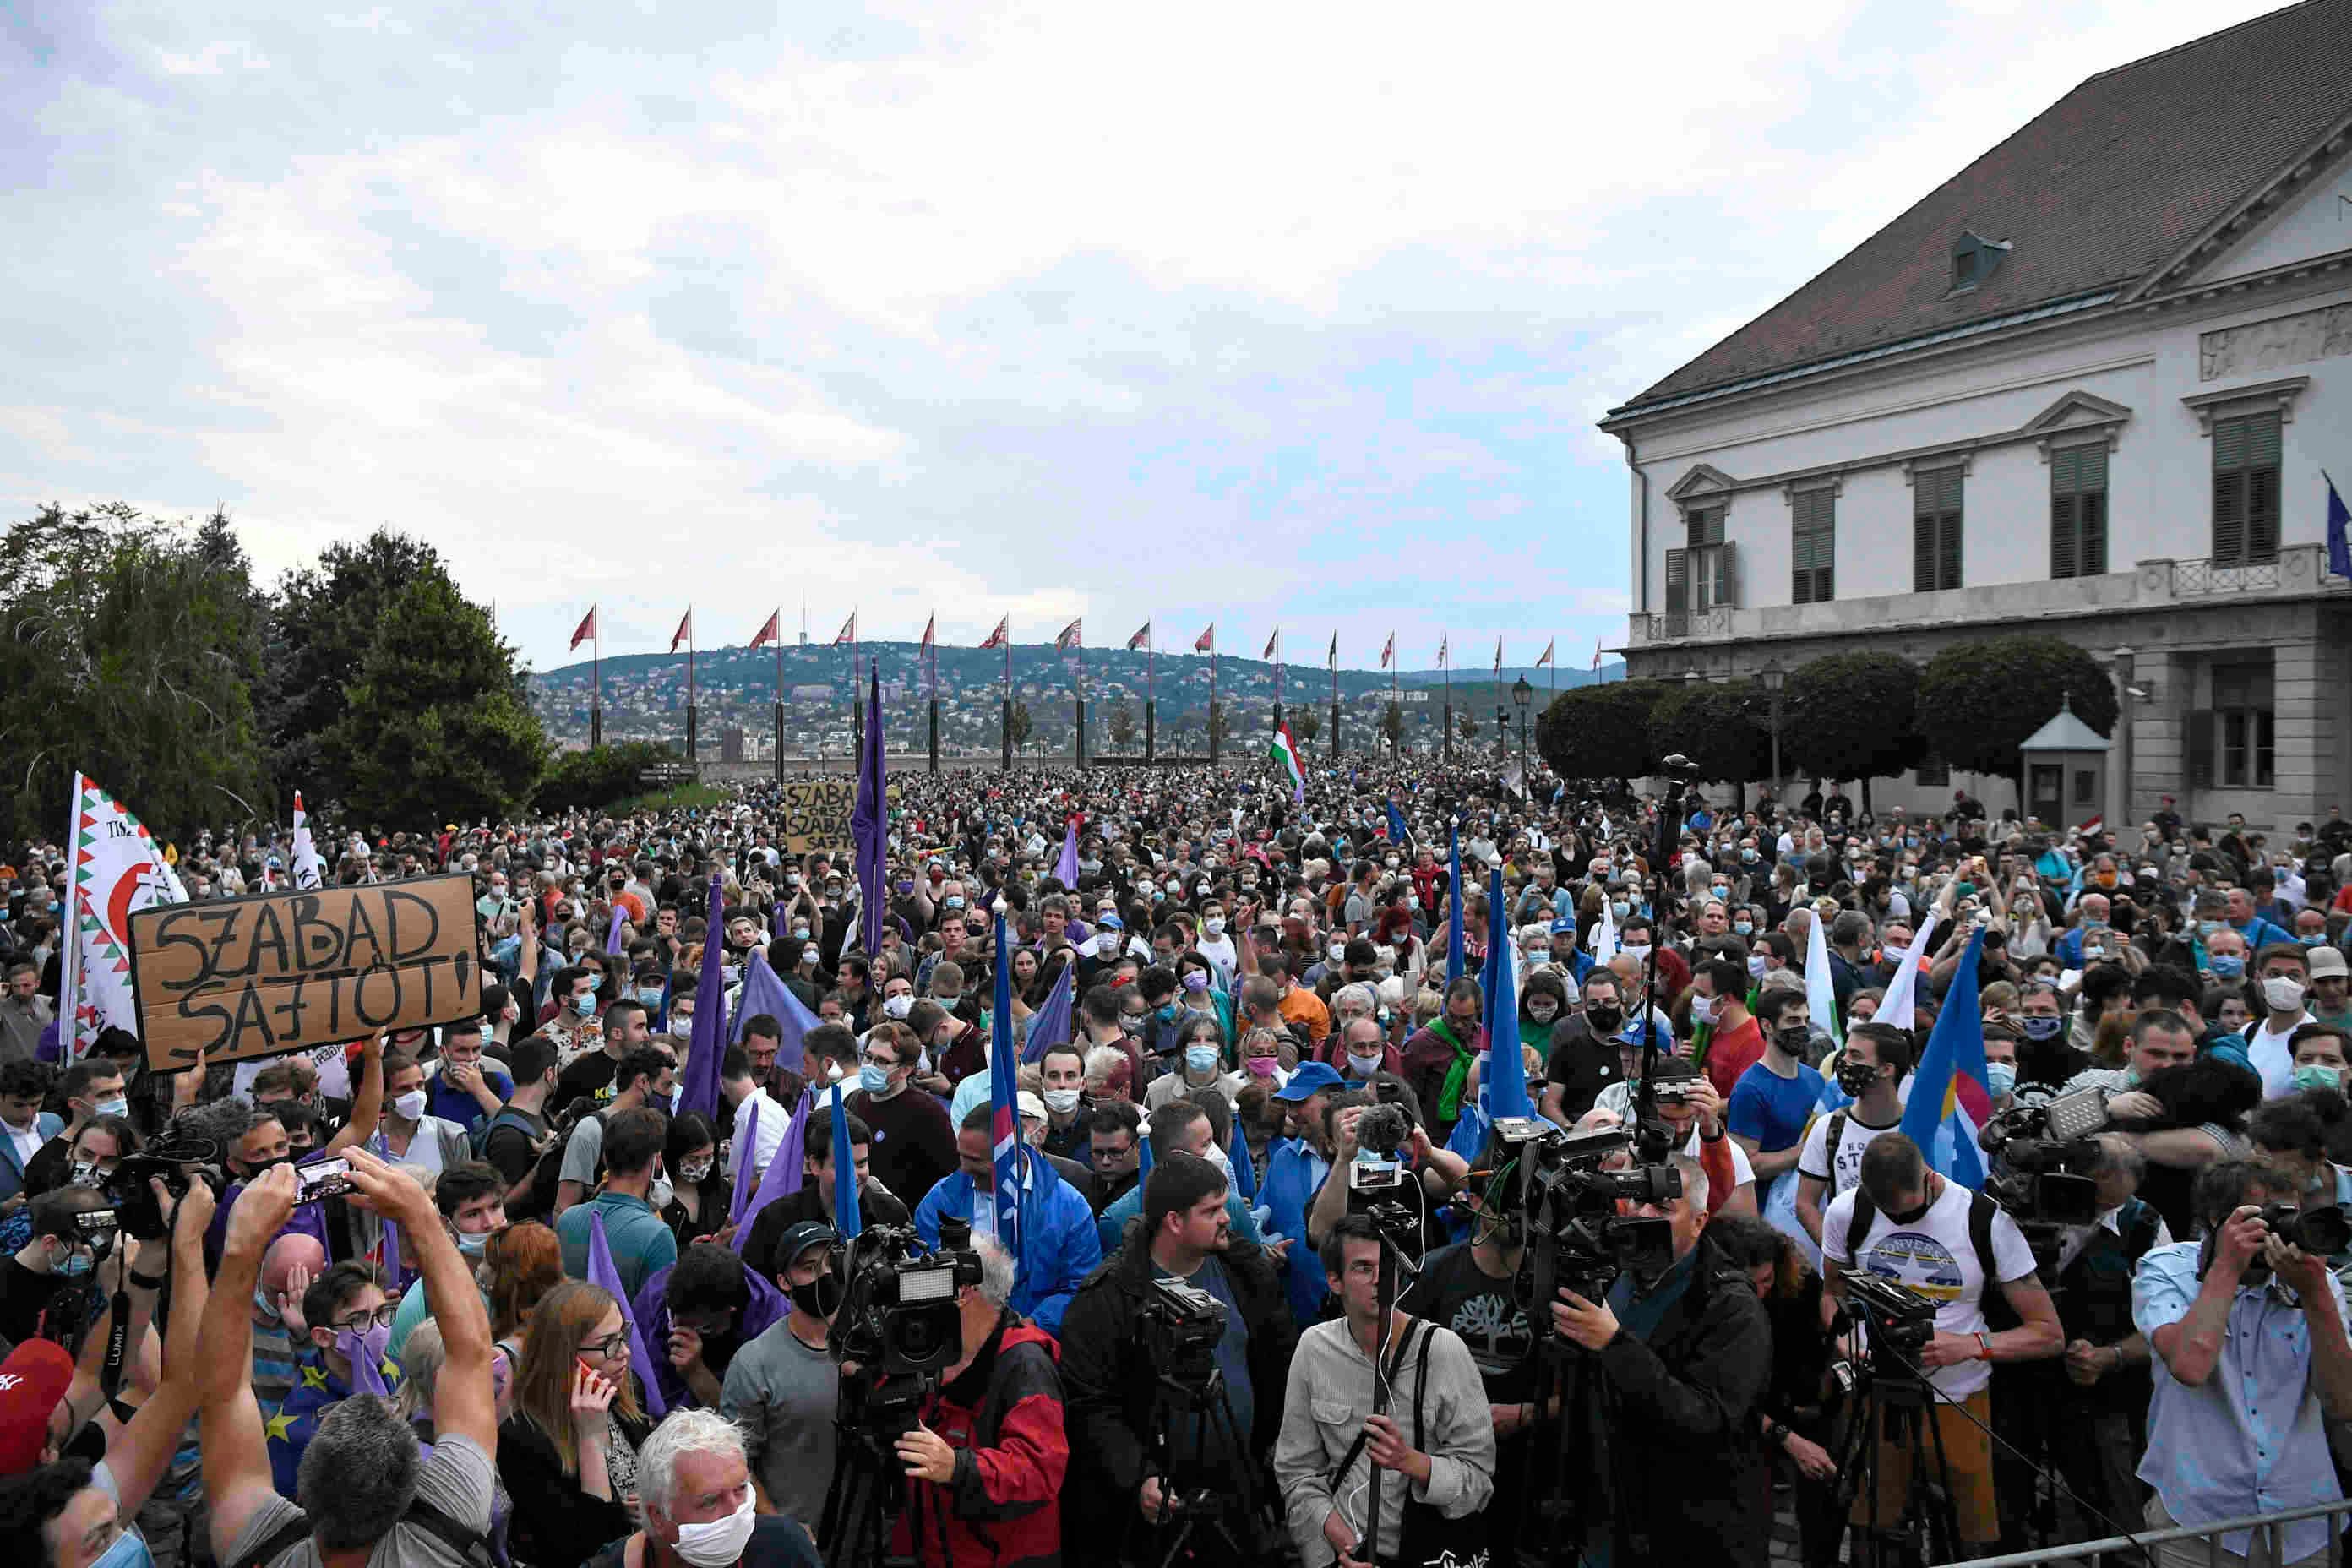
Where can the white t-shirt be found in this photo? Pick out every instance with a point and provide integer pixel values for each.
(2272, 1058)
(1743, 1173)
(1813, 1160)
(1933, 1257)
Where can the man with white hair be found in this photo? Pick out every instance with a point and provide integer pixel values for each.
(693, 1495)
(985, 1462)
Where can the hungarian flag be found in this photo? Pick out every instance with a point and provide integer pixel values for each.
(1073, 636)
(767, 633)
(1141, 639)
(1547, 654)
(587, 628)
(848, 632)
(310, 871)
(996, 638)
(116, 868)
(1388, 651)
(684, 632)
(929, 627)
(1271, 643)
(1207, 641)
(1284, 755)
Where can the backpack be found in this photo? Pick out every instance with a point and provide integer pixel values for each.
(548, 1170)
(1995, 1306)
(472, 1548)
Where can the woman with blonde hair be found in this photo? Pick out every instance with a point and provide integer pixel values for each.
(569, 1452)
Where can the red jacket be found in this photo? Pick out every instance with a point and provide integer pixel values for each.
(1003, 1416)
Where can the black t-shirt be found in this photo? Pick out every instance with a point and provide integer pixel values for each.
(24, 1293)
(592, 1075)
(914, 1147)
(1453, 1292)
(46, 1171)
(509, 1149)
(1581, 1066)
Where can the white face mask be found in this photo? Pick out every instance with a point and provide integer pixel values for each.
(898, 1007)
(2283, 993)
(720, 1542)
(410, 1106)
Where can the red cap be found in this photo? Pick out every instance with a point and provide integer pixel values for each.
(32, 1380)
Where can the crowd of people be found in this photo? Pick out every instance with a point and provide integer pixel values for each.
(551, 1315)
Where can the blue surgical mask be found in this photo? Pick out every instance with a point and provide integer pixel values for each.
(2000, 1077)
(2313, 1074)
(1744, 928)
(595, 983)
(76, 1262)
(1201, 1059)
(473, 1243)
(128, 1550)
(872, 1078)
(2311, 939)
(119, 1106)
(2228, 963)
(651, 996)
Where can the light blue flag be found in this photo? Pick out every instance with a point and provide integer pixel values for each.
(1502, 1086)
(847, 1216)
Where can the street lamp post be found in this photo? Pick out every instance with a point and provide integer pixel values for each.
(1521, 694)
(1775, 679)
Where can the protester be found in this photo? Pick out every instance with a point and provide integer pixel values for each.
(569, 1452)
(783, 1390)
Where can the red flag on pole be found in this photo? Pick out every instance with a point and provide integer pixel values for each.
(997, 637)
(1547, 654)
(767, 633)
(1444, 651)
(1271, 643)
(1141, 639)
(1388, 651)
(1072, 634)
(848, 632)
(1207, 642)
(587, 628)
(929, 627)
(1596, 653)
(685, 630)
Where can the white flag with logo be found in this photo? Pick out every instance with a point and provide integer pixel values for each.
(115, 870)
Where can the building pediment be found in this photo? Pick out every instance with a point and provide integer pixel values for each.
(2077, 418)
(1705, 479)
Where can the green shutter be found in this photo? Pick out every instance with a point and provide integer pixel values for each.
(2065, 514)
(1677, 581)
(2091, 547)
(1812, 548)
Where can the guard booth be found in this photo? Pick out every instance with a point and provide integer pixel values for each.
(2064, 763)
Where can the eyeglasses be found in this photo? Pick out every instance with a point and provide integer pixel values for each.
(886, 1060)
(612, 1347)
(360, 1323)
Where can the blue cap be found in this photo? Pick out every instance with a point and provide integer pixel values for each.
(1113, 922)
(1559, 926)
(1306, 1079)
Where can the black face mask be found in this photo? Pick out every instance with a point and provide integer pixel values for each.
(821, 1296)
(1604, 1020)
(1912, 1215)
(1855, 1078)
(1794, 1039)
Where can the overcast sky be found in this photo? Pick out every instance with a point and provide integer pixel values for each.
(1263, 313)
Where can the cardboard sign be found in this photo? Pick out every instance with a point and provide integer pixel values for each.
(817, 814)
(238, 978)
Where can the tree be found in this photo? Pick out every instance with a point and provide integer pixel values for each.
(1219, 727)
(320, 631)
(1713, 726)
(1020, 724)
(128, 651)
(1466, 724)
(1601, 730)
(1977, 700)
(1853, 716)
(1122, 723)
(436, 727)
(1392, 726)
(1307, 725)
(601, 776)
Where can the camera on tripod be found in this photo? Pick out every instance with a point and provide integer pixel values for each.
(1567, 1201)
(1894, 1317)
(2047, 1154)
(1178, 1328)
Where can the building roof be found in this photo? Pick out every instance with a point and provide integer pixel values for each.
(2094, 193)
(2064, 733)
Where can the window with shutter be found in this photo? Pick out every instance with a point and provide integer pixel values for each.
(2078, 511)
(2246, 489)
(1812, 547)
(1935, 530)
(1726, 575)
(1677, 582)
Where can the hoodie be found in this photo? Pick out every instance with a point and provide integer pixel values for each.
(766, 1308)
(1003, 1414)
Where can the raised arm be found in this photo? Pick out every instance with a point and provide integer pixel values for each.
(142, 1451)
(462, 1403)
(367, 1103)
(237, 1480)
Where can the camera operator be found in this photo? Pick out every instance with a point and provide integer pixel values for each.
(1686, 1353)
(1331, 1441)
(1438, 1173)
(2248, 1332)
(1183, 1234)
(1905, 1223)
(58, 1254)
(987, 1461)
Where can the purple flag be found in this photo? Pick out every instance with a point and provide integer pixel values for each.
(747, 1137)
(601, 1273)
(870, 824)
(612, 934)
(764, 991)
(784, 1173)
(1050, 1024)
(699, 1082)
(392, 1282)
(1065, 869)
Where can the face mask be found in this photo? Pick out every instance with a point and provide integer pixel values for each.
(1543, 1012)
(875, 1080)
(2000, 1077)
(410, 1106)
(367, 1347)
(1221, 1160)
(1603, 1020)
(1061, 1101)
(1200, 1059)
(118, 1106)
(898, 1007)
(800, 931)
(1107, 943)
(1744, 928)
(1637, 953)
(955, 901)
(1620, 908)
(1260, 1067)
(1195, 982)
(2283, 993)
(1748, 856)
(2228, 964)
(2312, 1075)
(128, 1550)
(720, 1542)
(2041, 1027)
(1365, 1066)
(1855, 1078)
(650, 997)
(820, 1298)
(1702, 1008)
(1794, 1039)
(595, 983)
(1175, 888)
(1215, 925)
(695, 1175)
(473, 1243)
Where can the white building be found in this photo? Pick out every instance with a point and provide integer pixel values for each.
(2085, 388)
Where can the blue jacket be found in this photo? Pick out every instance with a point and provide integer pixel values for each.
(766, 1308)
(1287, 1193)
(2258, 934)
(1059, 1247)
(48, 1124)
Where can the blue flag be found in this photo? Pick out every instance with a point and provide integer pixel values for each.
(1503, 1088)
(1003, 1102)
(870, 824)
(2339, 531)
(602, 1274)
(846, 1218)
(1398, 833)
(1050, 1024)
(698, 1084)
(764, 991)
(1950, 1097)
(1453, 910)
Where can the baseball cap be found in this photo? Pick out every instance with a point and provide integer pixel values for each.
(1028, 1104)
(799, 1237)
(1307, 1078)
(2323, 961)
(32, 1380)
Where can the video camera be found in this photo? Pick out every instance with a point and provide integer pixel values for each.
(1896, 1318)
(2046, 1155)
(1565, 1205)
(1178, 1327)
(178, 1163)
(899, 1315)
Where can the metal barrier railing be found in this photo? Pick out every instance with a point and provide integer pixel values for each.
(2269, 1525)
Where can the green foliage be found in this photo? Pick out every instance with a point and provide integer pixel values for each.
(1716, 726)
(1304, 724)
(129, 649)
(601, 776)
(320, 632)
(1392, 725)
(1121, 723)
(1601, 730)
(436, 726)
(1978, 700)
(1853, 716)
(1022, 724)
